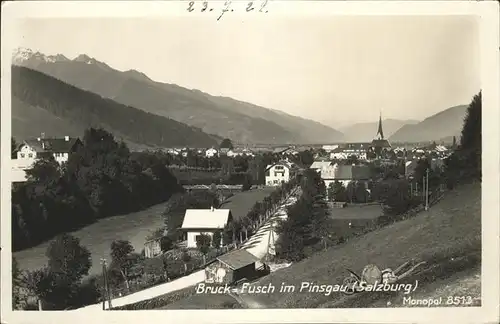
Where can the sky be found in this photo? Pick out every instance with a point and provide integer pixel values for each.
(336, 70)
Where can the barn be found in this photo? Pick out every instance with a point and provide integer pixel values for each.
(232, 267)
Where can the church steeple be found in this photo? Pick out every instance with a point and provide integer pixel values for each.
(380, 131)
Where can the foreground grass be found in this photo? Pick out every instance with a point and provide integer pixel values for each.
(204, 301)
(450, 229)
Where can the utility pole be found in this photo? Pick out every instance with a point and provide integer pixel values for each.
(423, 188)
(427, 190)
(106, 294)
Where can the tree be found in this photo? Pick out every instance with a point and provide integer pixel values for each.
(470, 141)
(203, 243)
(337, 191)
(247, 183)
(68, 258)
(16, 284)
(352, 159)
(226, 143)
(166, 243)
(120, 258)
(216, 239)
(43, 171)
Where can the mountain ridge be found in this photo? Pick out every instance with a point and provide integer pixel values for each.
(66, 108)
(442, 125)
(241, 121)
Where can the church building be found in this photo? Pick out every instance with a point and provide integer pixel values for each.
(379, 143)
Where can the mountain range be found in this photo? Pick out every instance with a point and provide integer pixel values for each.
(228, 118)
(439, 127)
(203, 118)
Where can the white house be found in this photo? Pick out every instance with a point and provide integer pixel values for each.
(319, 165)
(278, 173)
(211, 152)
(344, 174)
(329, 148)
(59, 148)
(206, 221)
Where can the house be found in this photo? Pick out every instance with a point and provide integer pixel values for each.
(280, 172)
(329, 148)
(239, 152)
(410, 167)
(235, 152)
(343, 152)
(152, 248)
(59, 148)
(319, 165)
(231, 267)
(211, 152)
(345, 174)
(206, 221)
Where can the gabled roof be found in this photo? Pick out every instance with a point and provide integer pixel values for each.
(238, 259)
(54, 145)
(287, 164)
(320, 164)
(350, 172)
(206, 218)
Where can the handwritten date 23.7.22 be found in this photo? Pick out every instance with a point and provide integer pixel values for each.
(260, 6)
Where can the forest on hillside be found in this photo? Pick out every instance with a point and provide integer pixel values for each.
(87, 109)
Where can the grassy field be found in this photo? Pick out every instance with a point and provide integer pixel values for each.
(204, 301)
(447, 237)
(97, 237)
(241, 203)
(357, 212)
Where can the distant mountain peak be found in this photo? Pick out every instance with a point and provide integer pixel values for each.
(84, 58)
(137, 74)
(23, 54)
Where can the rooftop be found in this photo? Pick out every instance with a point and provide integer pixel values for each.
(238, 259)
(206, 218)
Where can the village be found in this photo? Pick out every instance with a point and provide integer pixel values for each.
(348, 171)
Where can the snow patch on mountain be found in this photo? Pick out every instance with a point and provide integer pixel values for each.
(22, 54)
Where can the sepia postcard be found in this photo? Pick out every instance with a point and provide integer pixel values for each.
(250, 161)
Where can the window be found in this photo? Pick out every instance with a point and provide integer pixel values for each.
(279, 167)
(30, 155)
(22, 155)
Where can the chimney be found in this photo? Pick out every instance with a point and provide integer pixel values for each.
(42, 135)
(66, 138)
(43, 145)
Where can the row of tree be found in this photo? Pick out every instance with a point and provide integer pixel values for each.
(102, 178)
(305, 224)
(239, 230)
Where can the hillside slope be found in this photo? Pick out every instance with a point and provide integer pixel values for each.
(441, 125)
(41, 103)
(447, 237)
(362, 132)
(240, 121)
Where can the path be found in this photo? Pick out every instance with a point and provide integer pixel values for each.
(257, 245)
(177, 284)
